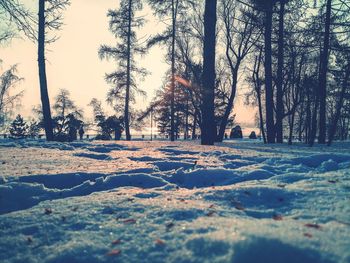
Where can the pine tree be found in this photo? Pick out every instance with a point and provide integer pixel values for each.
(123, 23)
(33, 129)
(173, 8)
(19, 128)
(64, 106)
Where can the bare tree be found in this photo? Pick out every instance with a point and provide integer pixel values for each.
(8, 98)
(49, 19)
(279, 82)
(257, 82)
(323, 74)
(339, 105)
(240, 35)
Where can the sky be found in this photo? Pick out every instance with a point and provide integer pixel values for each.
(73, 62)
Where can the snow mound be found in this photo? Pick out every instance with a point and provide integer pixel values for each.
(103, 149)
(273, 251)
(23, 195)
(202, 178)
(316, 160)
(61, 181)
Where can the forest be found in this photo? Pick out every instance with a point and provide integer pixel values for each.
(291, 58)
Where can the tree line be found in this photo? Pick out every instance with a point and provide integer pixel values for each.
(289, 58)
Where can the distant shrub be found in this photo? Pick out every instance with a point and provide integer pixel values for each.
(34, 129)
(252, 135)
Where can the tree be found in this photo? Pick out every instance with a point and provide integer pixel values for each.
(107, 125)
(8, 99)
(73, 125)
(279, 82)
(19, 128)
(331, 24)
(323, 74)
(49, 18)
(33, 129)
(67, 117)
(19, 18)
(257, 84)
(64, 107)
(96, 108)
(270, 123)
(174, 8)
(240, 37)
(342, 76)
(208, 127)
(123, 23)
(110, 125)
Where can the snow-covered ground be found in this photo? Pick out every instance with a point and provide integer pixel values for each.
(173, 202)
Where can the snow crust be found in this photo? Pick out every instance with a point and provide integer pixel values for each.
(173, 202)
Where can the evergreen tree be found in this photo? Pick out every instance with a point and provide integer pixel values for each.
(63, 107)
(19, 128)
(33, 129)
(174, 9)
(123, 23)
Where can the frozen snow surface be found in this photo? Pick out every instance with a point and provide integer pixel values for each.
(239, 201)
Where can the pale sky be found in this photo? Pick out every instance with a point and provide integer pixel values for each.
(73, 63)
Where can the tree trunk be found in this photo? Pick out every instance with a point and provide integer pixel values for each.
(151, 125)
(279, 95)
(208, 126)
(128, 78)
(172, 105)
(270, 126)
(45, 101)
(291, 128)
(261, 117)
(194, 135)
(308, 115)
(186, 120)
(323, 75)
(313, 128)
(257, 87)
